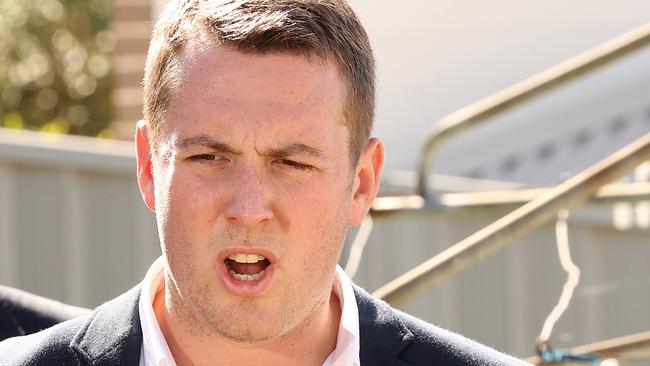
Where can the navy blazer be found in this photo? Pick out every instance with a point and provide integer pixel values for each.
(111, 335)
(23, 313)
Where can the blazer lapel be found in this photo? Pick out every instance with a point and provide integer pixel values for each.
(383, 335)
(112, 335)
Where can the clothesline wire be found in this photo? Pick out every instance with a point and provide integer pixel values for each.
(573, 277)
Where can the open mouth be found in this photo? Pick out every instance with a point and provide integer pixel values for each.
(246, 267)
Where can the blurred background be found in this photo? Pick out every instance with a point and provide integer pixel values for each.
(73, 227)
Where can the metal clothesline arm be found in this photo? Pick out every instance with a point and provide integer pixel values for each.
(528, 217)
(517, 94)
(629, 348)
(488, 201)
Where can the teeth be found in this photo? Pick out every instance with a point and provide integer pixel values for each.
(254, 258)
(246, 277)
(246, 258)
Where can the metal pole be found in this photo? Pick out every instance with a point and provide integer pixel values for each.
(488, 201)
(525, 90)
(528, 217)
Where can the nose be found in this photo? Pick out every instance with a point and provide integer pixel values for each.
(250, 203)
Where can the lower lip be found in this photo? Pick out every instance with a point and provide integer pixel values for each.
(245, 288)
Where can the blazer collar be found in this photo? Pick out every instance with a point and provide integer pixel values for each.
(383, 335)
(112, 334)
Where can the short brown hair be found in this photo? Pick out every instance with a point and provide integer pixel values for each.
(322, 28)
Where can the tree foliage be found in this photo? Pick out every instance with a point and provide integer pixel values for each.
(55, 70)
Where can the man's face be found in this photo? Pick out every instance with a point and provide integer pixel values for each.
(253, 166)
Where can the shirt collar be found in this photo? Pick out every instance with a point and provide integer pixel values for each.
(347, 341)
(155, 351)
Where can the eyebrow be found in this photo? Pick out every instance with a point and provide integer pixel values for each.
(209, 142)
(283, 151)
(295, 149)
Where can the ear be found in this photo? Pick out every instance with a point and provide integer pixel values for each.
(366, 180)
(145, 172)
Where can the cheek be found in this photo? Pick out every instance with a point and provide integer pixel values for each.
(317, 200)
(186, 233)
(193, 197)
(185, 216)
(318, 214)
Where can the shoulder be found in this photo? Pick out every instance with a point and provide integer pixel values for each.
(444, 344)
(413, 341)
(23, 313)
(110, 335)
(50, 346)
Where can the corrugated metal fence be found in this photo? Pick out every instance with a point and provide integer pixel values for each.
(72, 224)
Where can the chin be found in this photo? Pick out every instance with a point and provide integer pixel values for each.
(242, 321)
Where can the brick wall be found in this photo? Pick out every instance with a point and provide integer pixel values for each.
(132, 26)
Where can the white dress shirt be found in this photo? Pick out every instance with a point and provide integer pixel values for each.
(155, 352)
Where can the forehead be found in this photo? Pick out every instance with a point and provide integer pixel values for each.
(222, 84)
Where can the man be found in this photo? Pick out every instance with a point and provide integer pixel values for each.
(255, 156)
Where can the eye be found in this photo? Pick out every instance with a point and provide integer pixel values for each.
(295, 165)
(205, 158)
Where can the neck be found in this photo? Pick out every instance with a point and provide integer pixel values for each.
(308, 344)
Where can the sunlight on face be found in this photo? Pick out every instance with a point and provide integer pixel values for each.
(253, 160)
